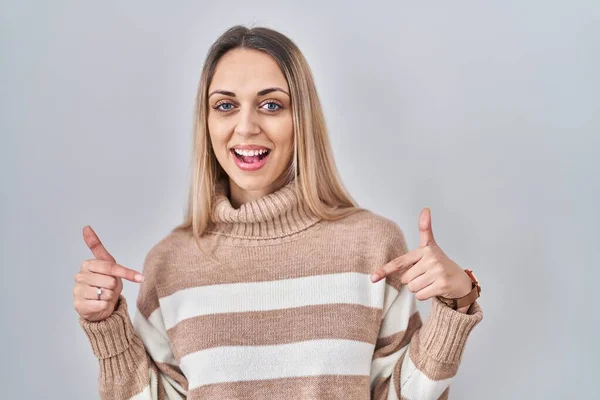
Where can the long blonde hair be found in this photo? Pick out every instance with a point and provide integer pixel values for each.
(318, 182)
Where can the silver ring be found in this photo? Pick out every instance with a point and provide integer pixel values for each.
(99, 292)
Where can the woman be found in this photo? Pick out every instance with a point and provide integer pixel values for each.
(265, 291)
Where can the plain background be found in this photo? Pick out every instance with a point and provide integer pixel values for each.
(489, 114)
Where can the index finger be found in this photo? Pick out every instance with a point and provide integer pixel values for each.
(400, 263)
(95, 245)
(113, 269)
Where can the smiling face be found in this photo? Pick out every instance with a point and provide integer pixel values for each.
(250, 122)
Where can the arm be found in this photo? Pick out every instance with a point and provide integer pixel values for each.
(416, 360)
(413, 360)
(136, 360)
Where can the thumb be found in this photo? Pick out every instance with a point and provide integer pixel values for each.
(425, 232)
(95, 245)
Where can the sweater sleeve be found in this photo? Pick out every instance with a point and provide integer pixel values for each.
(413, 360)
(135, 357)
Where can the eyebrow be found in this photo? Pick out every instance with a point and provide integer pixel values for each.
(259, 93)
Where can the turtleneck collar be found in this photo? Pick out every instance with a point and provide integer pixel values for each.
(279, 214)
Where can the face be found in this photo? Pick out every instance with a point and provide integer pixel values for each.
(250, 121)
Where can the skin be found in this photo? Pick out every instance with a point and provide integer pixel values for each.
(250, 118)
(427, 270)
(101, 271)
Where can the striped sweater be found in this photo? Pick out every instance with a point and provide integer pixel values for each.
(278, 304)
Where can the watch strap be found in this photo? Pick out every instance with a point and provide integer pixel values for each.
(465, 300)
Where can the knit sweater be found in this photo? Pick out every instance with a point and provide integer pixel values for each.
(278, 304)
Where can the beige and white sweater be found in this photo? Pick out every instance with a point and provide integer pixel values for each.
(278, 305)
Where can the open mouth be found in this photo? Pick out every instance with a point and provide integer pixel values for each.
(251, 157)
(251, 160)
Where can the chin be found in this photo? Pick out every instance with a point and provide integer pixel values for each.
(261, 180)
(251, 183)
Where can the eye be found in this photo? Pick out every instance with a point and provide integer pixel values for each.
(273, 103)
(225, 103)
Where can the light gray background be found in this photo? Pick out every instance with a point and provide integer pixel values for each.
(489, 114)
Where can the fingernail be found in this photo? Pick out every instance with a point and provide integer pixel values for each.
(139, 278)
(374, 278)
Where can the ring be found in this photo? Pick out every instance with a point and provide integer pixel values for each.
(99, 292)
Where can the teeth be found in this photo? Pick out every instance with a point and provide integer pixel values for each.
(250, 152)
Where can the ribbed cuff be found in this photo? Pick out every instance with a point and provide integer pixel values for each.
(445, 333)
(111, 336)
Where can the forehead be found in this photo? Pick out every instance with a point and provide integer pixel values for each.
(247, 71)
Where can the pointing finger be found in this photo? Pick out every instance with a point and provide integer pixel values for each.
(112, 269)
(95, 245)
(400, 264)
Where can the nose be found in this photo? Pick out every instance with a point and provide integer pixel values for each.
(247, 124)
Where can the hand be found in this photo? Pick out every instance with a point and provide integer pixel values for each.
(427, 270)
(101, 272)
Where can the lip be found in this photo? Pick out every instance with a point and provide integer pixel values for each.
(249, 166)
(249, 147)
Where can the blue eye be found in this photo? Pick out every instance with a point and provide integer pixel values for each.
(223, 104)
(272, 103)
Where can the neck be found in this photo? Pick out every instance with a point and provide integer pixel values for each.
(239, 196)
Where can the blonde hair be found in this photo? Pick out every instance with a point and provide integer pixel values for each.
(318, 182)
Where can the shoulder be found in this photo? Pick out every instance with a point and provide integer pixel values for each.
(378, 231)
(162, 253)
(371, 220)
(385, 239)
(373, 224)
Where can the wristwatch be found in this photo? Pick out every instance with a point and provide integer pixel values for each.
(465, 300)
